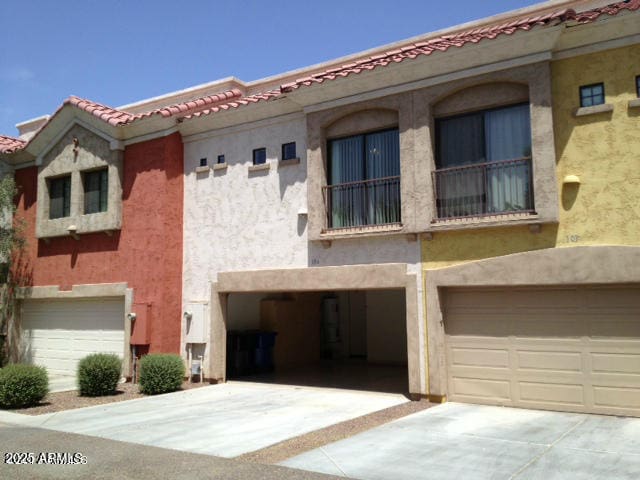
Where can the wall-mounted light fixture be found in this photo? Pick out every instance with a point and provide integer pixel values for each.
(72, 229)
(571, 180)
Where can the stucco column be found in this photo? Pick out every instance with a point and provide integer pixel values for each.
(218, 340)
(413, 334)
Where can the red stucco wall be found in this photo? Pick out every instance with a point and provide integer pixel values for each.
(146, 253)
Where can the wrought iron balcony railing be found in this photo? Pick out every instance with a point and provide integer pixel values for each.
(368, 202)
(481, 189)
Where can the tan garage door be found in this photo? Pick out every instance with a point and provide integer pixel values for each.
(572, 349)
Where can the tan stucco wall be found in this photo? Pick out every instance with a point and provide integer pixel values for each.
(92, 152)
(386, 328)
(601, 149)
(348, 120)
(415, 112)
(317, 279)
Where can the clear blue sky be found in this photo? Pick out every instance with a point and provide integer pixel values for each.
(120, 51)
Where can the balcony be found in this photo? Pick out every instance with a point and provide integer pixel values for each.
(484, 189)
(363, 203)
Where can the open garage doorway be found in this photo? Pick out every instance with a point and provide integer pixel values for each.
(351, 339)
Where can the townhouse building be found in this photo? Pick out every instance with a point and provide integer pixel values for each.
(455, 214)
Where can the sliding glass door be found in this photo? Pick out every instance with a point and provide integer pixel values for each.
(364, 180)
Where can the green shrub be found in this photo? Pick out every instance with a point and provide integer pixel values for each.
(161, 373)
(22, 385)
(98, 374)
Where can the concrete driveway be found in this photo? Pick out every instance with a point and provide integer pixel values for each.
(225, 420)
(482, 442)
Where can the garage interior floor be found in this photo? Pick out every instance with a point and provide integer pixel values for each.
(350, 374)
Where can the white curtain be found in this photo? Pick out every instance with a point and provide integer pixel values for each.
(508, 137)
(479, 138)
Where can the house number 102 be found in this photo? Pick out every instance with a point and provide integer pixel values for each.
(573, 238)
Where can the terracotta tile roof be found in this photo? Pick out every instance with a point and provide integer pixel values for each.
(438, 44)
(110, 115)
(10, 144)
(248, 100)
(445, 42)
(116, 117)
(193, 106)
(120, 117)
(612, 9)
(233, 98)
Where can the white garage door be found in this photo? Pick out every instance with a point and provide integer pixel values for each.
(58, 333)
(572, 349)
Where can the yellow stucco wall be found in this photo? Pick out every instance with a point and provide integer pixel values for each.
(602, 149)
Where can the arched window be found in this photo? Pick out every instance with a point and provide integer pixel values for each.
(363, 173)
(483, 160)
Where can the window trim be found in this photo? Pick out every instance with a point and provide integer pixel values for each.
(591, 85)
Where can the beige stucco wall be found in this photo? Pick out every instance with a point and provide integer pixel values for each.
(240, 220)
(93, 151)
(244, 311)
(386, 328)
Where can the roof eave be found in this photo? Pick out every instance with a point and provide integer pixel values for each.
(494, 54)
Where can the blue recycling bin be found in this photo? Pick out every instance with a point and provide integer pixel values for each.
(265, 342)
(249, 351)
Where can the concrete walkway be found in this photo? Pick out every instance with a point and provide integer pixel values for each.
(483, 442)
(225, 420)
